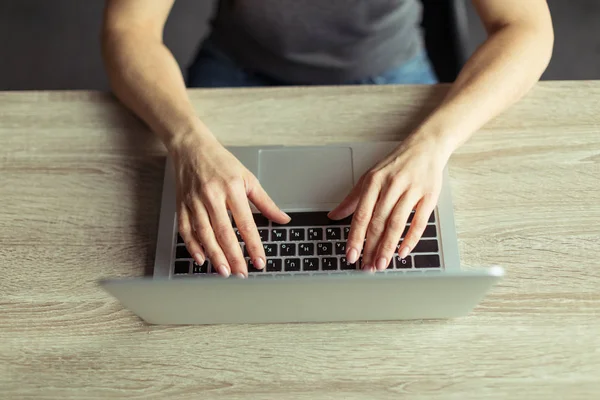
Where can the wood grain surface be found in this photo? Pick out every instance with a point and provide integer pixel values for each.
(80, 186)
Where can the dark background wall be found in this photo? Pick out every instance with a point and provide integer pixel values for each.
(55, 44)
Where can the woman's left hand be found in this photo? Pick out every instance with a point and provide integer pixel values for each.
(410, 178)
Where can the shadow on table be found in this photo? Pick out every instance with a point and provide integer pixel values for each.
(142, 156)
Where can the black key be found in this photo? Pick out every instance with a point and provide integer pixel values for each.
(296, 234)
(292, 264)
(391, 264)
(181, 252)
(264, 235)
(405, 263)
(426, 246)
(430, 231)
(324, 249)
(427, 261)
(346, 232)
(315, 234)
(412, 215)
(329, 264)
(270, 249)
(333, 233)
(245, 251)
(200, 269)
(287, 249)
(181, 267)
(274, 265)
(340, 248)
(278, 235)
(316, 218)
(310, 264)
(344, 266)
(259, 220)
(252, 269)
(179, 239)
(238, 235)
(306, 249)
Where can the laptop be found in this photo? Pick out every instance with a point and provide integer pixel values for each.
(307, 278)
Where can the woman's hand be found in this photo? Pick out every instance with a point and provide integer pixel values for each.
(409, 178)
(211, 181)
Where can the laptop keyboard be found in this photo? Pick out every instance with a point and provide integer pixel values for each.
(312, 244)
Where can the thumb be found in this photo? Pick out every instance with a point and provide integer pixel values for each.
(261, 200)
(348, 205)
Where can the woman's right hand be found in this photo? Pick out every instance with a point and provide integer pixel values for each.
(210, 182)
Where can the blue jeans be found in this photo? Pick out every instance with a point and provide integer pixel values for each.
(212, 68)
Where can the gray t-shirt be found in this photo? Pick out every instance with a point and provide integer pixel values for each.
(319, 41)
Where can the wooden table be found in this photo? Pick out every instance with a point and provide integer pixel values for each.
(80, 185)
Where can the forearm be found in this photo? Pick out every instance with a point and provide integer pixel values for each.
(145, 76)
(498, 74)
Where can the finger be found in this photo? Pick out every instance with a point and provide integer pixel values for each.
(361, 219)
(349, 204)
(223, 231)
(204, 231)
(265, 204)
(395, 227)
(387, 201)
(188, 235)
(418, 224)
(244, 222)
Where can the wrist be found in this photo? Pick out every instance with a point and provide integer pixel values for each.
(192, 135)
(438, 143)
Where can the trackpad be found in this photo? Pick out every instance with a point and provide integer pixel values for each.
(301, 177)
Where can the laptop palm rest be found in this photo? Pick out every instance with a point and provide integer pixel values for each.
(306, 177)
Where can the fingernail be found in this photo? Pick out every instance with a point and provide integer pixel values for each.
(223, 271)
(404, 252)
(381, 264)
(240, 275)
(199, 259)
(259, 263)
(352, 256)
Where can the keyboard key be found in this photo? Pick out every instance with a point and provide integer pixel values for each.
(329, 264)
(292, 264)
(181, 267)
(430, 231)
(340, 248)
(287, 249)
(333, 234)
(270, 249)
(278, 235)
(346, 232)
(426, 246)
(252, 269)
(179, 239)
(306, 249)
(310, 264)
(324, 249)
(274, 265)
(296, 234)
(427, 261)
(315, 234)
(200, 269)
(181, 252)
(245, 251)
(315, 218)
(391, 264)
(405, 263)
(238, 235)
(264, 235)
(344, 266)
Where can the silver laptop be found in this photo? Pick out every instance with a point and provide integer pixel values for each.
(307, 278)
